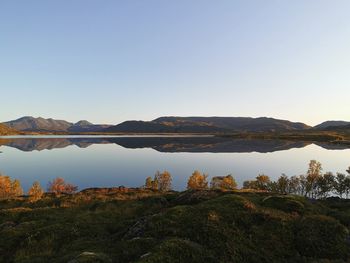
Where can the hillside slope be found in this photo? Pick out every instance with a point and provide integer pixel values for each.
(5, 130)
(31, 124)
(331, 124)
(207, 125)
(125, 225)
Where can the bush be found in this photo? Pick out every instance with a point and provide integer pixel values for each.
(320, 236)
(284, 203)
(178, 250)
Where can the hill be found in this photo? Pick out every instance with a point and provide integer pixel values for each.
(331, 124)
(135, 225)
(159, 127)
(85, 126)
(31, 124)
(5, 130)
(207, 125)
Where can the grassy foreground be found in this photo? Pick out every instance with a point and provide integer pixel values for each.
(134, 225)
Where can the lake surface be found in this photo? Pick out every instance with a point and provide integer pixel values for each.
(100, 161)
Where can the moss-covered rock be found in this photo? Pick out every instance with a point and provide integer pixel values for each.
(192, 226)
(285, 203)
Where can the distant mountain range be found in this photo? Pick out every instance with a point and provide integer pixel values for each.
(208, 125)
(202, 125)
(31, 124)
(332, 124)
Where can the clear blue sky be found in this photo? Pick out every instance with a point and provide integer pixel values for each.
(109, 61)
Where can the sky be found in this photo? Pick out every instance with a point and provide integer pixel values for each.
(112, 60)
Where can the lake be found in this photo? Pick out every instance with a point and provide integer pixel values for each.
(106, 161)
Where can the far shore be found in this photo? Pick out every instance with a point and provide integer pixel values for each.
(333, 137)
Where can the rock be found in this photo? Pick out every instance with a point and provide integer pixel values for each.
(91, 257)
(8, 224)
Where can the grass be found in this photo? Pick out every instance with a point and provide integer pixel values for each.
(192, 226)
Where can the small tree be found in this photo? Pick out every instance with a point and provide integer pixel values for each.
(197, 181)
(59, 186)
(56, 186)
(155, 184)
(339, 184)
(294, 185)
(164, 181)
(347, 186)
(263, 182)
(70, 189)
(35, 192)
(9, 188)
(5, 186)
(16, 188)
(251, 184)
(149, 183)
(303, 185)
(229, 183)
(223, 182)
(325, 184)
(313, 173)
(282, 184)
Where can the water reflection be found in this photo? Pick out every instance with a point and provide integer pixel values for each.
(114, 161)
(164, 144)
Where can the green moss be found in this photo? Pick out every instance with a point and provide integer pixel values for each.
(285, 203)
(321, 236)
(200, 226)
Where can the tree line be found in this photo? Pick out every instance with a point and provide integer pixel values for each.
(12, 188)
(163, 182)
(314, 184)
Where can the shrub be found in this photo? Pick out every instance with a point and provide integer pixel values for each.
(321, 237)
(284, 203)
(9, 188)
(197, 181)
(223, 182)
(35, 192)
(59, 186)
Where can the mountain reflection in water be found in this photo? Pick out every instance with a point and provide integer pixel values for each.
(164, 144)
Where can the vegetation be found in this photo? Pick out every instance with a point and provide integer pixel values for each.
(161, 182)
(4, 130)
(265, 223)
(141, 225)
(313, 185)
(35, 193)
(223, 183)
(197, 181)
(59, 186)
(9, 188)
(337, 137)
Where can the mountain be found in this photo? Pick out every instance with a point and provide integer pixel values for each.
(331, 124)
(154, 127)
(207, 125)
(38, 124)
(5, 130)
(85, 126)
(31, 124)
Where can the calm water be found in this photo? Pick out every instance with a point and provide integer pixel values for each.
(94, 161)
